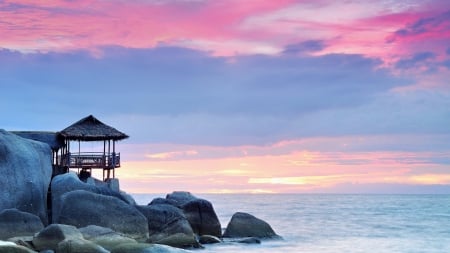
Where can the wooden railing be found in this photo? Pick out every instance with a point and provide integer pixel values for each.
(91, 160)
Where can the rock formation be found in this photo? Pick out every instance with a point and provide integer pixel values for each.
(82, 208)
(166, 221)
(247, 225)
(199, 212)
(26, 170)
(16, 223)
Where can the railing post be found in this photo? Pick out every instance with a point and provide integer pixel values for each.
(114, 159)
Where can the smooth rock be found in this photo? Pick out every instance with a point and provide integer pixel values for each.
(93, 231)
(23, 241)
(6, 243)
(69, 182)
(79, 246)
(247, 225)
(179, 240)
(164, 221)
(82, 208)
(15, 223)
(146, 248)
(250, 240)
(199, 212)
(15, 249)
(209, 239)
(105, 237)
(52, 235)
(26, 168)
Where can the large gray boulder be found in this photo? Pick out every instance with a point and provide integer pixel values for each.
(15, 223)
(247, 225)
(26, 170)
(199, 212)
(167, 224)
(51, 236)
(68, 182)
(82, 208)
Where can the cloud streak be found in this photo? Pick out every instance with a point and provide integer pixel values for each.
(291, 96)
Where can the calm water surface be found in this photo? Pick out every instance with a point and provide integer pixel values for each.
(339, 223)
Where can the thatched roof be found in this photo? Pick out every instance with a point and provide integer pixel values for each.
(91, 129)
(54, 140)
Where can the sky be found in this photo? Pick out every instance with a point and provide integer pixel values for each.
(230, 96)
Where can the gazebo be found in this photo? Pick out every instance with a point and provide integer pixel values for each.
(90, 129)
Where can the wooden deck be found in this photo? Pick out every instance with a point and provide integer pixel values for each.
(91, 160)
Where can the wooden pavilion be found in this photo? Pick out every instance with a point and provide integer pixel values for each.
(90, 129)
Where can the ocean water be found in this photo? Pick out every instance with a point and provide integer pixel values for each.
(325, 223)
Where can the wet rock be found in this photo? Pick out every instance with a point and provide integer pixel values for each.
(179, 240)
(249, 240)
(209, 239)
(247, 225)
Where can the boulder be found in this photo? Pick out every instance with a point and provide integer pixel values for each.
(179, 240)
(26, 170)
(199, 212)
(105, 237)
(15, 249)
(82, 208)
(249, 240)
(209, 239)
(247, 225)
(79, 246)
(145, 248)
(165, 221)
(15, 223)
(22, 241)
(52, 235)
(68, 182)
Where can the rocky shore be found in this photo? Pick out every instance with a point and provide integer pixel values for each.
(67, 215)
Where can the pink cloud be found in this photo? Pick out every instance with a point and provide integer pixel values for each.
(62, 25)
(223, 27)
(282, 167)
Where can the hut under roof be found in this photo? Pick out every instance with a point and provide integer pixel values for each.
(91, 129)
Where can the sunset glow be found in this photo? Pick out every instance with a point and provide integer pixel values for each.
(241, 96)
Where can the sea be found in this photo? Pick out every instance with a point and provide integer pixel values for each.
(333, 223)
